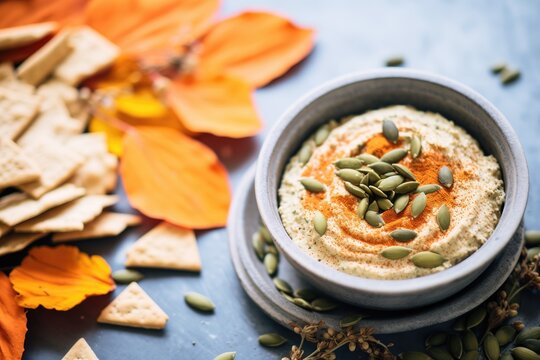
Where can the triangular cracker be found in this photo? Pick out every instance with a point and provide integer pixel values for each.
(68, 217)
(106, 224)
(17, 110)
(15, 166)
(80, 351)
(14, 242)
(165, 246)
(17, 36)
(16, 208)
(133, 307)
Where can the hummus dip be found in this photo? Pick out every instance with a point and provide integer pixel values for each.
(348, 243)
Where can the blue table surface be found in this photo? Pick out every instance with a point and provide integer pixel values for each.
(456, 38)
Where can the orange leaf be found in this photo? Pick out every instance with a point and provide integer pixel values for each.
(255, 46)
(22, 12)
(60, 277)
(143, 25)
(12, 322)
(221, 105)
(170, 176)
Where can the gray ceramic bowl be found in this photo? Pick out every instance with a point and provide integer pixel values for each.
(355, 94)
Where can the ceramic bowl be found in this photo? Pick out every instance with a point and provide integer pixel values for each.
(360, 92)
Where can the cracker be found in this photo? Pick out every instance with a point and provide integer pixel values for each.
(106, 224)
(14, 242)
(8, 80)
(41, 64)
(15, 166)
(18, 36)
(56, 164)
(6, 72)
(165, 246)
(68, 217)
(16, 208)
(17, 110)
(69, 95)
(133, 307)
(80, 351)
(4, 229)
(91, 54)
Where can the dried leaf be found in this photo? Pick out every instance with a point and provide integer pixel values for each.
(12, 322)
(255, 46)
(172, 177)
(22, 12)
(140, 105)
(60, 277)
(114, 135)
(220, 105)
(151, 24)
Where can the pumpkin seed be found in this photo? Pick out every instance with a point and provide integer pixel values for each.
(498, 67)
(384, 204)
(199, 302)
(470, 341)
(445, 176)
(377, 192)
(312, 185)
(321, 135)
(391, 194)
(428, 189)
(302, 303)
(362, 207)
(522, 353)
(272, 249)
(438, 353)
(365, 188)
(350, 175)
(282, 285)
(231, 355)
(374, 219)
(404, 171)
(272, 340)
(475, 317)
(532, 237)
(323, 304)
(443, 218)
(381, 167)
(355, 190)
(270, 263)
(390, 130)
(388, 174)
(414, 355)
(350, 320)
(455, 346)
(427, 259)
(319, 223)
(396, 60)
(306, 294)
(365, 180)
(528, 333)
(288, 297)
(395, 252)
(533, 344)
(492, 348)
(373, 207)
(266, 235)
(507, 356)
(407, 187)
(305, 153)
(416, 146)
(349, 163)
(373, 177)
(505, 335)
(508, 76)
(368, 158)
(394, 156)
(258, 245)
(460, 324)
(126, 276)
(403, 235)
(418, 205)
(471, 355)
(390, 183)
(401, 203)
(436, 339)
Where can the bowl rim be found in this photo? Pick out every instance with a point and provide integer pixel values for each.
(506, 226)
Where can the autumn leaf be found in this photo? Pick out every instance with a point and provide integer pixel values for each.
(114, 136)
(22, 12)
(254, 46)
(170, 176)
(12, 322)
(141, 105)
(60, 277)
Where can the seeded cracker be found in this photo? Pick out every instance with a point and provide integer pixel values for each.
(17, 110)
(15, 166)
(133, 307)
(165, 246)
(14, 242)
(18, 36)
(106, 224)
(80, 351)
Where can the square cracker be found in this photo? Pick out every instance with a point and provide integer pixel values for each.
(14, 242)
(56, 164)
(68, 217)
(106, 224)
(69, 95)
(165, 246)
(18, 36)
(17, 110)
(91, 54)
(18, 207)
(15, 166)
(133, 307)
(80, 351)
(8, 80)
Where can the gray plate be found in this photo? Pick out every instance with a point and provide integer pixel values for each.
(244, 221)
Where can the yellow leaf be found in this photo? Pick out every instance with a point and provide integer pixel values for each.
(114, 135)
(141, 105)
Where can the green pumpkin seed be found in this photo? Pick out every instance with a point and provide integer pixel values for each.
(427, 259)
(522, 353)
(384, 204)
(508, 76)
(306, 294)
(388, 174)
(492, 348)
(365, 179)
(349, 163)
(455, 346)
(533, 344)
(498, 67)
(319, 223)
(395, 252)
(416, 146)
(272, 340)
(350, 175)
(323, 304)
(394, 156)
(475, 317)
(355, 190)
(460, 324)
(414, 355)
(438, 353)
(288, 297)
(396, 60)
(532, 237)
(266, 235)
(368, 158)
(407, 187)
(404, 171)
(270, 263)
(401, 203)
(373, 207)
(374, 219)
(312, 185)
(305, 153)
(505, 335)
(258, 245)
(321, 135)
(418, 205)
(470, 341)
(390, 183)
(428, 189)
(373, 177)
(390, 131)
(126, 276)
(365, 188)
(362, 207)
(507, 356)
(381, 167)
(445, 176)
(302, 303)
(377, 192)
(282, 285)
(403, 235)
(350, 320)
(528, 333)
(271, 249)
(443, 218)
(391, 194)
(231, 355)
(199, 302)
(436, 339)
(471, 355)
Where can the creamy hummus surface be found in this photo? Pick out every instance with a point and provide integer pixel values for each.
(349, 243)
